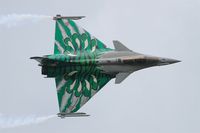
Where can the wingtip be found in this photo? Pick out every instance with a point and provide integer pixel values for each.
(58, 16)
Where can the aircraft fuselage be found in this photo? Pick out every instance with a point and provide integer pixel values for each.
(112, 63)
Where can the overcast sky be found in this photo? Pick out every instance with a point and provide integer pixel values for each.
(155, 100)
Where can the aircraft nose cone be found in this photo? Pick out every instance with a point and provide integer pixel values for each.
(167, 61)
(171, 61)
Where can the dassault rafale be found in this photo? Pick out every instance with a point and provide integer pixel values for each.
(82, 64)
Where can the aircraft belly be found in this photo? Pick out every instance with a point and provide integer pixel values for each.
(116, 68)
(53, 71)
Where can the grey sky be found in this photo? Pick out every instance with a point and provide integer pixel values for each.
(161, 99)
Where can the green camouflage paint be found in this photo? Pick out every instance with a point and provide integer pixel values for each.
(82, 65)
(79, 78)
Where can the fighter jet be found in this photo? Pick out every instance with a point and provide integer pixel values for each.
(82, 65)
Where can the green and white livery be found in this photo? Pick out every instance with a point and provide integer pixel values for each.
(82, 65)
(81, 79)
